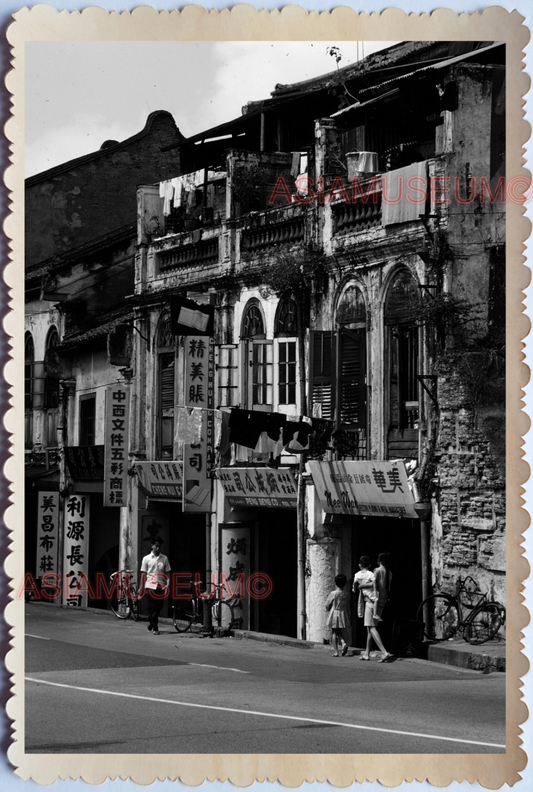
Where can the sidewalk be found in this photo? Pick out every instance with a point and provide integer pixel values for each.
(487, 657)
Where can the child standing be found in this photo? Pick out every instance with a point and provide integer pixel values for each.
(338, 603)
(365, 582)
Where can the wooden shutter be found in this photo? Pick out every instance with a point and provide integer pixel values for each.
(351, 377)
(167, 382)
(321, 374)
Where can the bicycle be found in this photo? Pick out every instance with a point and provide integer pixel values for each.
(125, 599)
(191, 611)
(443, 614)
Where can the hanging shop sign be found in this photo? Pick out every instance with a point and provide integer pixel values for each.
(163, 480)
(47, 533)
(85, 462)
(259, 487)
(199, 392)
(364, 488)
(235, 570)
(76, 551)
(116, 445)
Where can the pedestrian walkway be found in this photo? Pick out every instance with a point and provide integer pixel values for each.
(486, 657)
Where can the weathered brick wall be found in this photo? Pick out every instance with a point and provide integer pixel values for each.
(85, 199)
(469, 534)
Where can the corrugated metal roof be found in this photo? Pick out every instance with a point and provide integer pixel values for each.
(440, 65)
(93, 333)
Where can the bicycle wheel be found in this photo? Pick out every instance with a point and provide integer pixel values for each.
(222, 614)
(184, 615)
(484, 622)
(443, 618)
(121, 607)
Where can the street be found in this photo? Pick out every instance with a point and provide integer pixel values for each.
(95, 684)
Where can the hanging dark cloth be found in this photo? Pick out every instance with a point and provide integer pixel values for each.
(246, 426)
(275, 422)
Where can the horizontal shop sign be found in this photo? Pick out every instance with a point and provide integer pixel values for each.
(370, 489)
(85, 462)
(271, 487)
(161, 479)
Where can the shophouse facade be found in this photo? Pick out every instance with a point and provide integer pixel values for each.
(345, 306)
(80, 252)
(348, 398)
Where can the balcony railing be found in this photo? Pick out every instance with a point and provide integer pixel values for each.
(189, 254)
(358, 215)
(285, 232)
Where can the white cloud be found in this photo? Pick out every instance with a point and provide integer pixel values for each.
(79, 94)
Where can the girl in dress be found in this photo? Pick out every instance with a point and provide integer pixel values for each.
(338, 603)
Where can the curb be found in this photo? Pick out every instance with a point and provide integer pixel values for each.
(485, 660)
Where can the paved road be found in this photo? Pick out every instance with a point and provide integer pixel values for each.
(97, 685)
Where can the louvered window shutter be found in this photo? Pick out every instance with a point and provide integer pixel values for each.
(167, 382)
(321, 375)
(351, 394)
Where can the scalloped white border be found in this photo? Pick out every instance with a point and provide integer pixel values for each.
(245, 22)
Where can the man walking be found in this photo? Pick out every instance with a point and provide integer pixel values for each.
(154, 582)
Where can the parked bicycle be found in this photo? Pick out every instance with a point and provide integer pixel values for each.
(125, 595)
(191, 610)
(444, 614)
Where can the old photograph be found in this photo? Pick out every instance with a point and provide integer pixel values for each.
(265, 397)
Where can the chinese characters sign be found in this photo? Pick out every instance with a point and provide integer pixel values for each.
(76, 550)
(365, 488)
(199, 390)
(47, 532)
(235, 561)
(161, 480)
(85, 462)
(259, 487)
(116, 446)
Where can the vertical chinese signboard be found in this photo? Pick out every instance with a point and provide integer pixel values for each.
(75, 551)
(116, 446)
(235, 569)
(199, 391)
(47, 533)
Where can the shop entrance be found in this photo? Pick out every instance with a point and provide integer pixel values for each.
(400, 538)
(277, 556)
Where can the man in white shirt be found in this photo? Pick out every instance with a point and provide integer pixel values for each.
(154, 582)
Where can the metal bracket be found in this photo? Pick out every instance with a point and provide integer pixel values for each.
(432, 378)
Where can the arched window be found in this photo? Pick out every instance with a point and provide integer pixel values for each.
(351, 310)
(403, 366)
(51, 383)
(257, 359)
(166, 358)
(286, 330)
(29, 360)
(287, 318)
(252, 322)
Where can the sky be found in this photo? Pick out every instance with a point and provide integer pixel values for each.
(79, 94)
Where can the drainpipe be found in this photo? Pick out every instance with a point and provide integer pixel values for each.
(262, 134)
(300, 503)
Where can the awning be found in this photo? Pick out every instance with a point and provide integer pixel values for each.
(369, 489)
(271, 487)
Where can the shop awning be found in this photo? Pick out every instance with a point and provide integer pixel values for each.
(369, 488)
(271, 487)
(161, 480)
